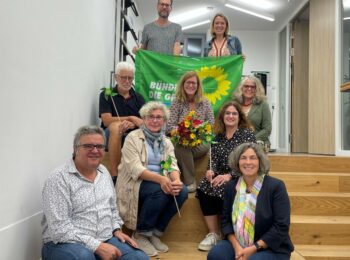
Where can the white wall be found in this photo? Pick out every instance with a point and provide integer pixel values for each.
(261, 50)
(55, 56)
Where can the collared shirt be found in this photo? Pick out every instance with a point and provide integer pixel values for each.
(77, 210)
(126, 106)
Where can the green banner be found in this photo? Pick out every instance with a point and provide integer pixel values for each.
(157, 74)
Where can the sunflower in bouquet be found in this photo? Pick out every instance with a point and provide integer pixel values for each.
(192, 131)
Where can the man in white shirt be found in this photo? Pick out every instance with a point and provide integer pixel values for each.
(81, 220)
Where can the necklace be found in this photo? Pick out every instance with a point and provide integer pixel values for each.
(247, 103)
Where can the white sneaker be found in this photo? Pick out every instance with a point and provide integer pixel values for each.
(209, 241)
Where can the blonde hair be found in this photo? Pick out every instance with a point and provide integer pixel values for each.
(212, 25)
(259, 93)
(180, 91)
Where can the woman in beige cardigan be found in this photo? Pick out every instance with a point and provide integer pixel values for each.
(145, 193)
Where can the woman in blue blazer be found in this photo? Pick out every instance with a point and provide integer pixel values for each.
(256, 212)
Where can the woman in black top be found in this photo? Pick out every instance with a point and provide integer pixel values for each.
(231, 129)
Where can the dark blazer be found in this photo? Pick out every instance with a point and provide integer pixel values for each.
(272, 214)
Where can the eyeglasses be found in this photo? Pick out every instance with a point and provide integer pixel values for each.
(125, 78)
(250, 158)
(252, 87)
(164, 5)
(231, 113)
(191, 83)
(91, 147)
(155, 118)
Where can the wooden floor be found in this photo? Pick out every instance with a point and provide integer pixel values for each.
(319, 191)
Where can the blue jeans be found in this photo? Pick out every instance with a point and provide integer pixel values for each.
(224, 251)
(107, 138)
(70, 251)
(156, 208)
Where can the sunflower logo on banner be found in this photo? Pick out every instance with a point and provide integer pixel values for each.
(157, 74)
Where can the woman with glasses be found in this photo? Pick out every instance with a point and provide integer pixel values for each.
(231, 129)
(189, 97)
(222, 44)
(256, 213)
(250, 94)
(146, 193)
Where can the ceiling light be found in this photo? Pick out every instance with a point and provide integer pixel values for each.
(197, 12)
(261, 4)
(265, 16)
(346, 18)
(195, 25)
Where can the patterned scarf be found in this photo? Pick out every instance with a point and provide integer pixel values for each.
(243, 211)
(155, 140)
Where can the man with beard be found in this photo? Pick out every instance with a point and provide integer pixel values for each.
(162, 35)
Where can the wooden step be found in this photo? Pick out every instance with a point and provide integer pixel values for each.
(304, 229)
(188, 250)
(309, 163)
(314, 181)
(190, 227)
(320, 230)
(323, 252)
(320, 203)
(182, 250)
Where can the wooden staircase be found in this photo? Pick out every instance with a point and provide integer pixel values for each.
(319, 191)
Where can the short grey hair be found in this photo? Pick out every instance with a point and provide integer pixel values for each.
(124, 65)
(233, 160)
(146, 109)
(87, 130)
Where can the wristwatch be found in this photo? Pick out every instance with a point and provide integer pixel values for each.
(258, 247)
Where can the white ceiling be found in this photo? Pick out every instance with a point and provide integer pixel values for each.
(281, 9)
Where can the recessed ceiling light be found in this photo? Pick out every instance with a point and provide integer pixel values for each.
(261, 4)
(265, 16)
(195, 13)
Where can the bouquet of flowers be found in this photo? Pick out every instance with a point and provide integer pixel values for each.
(192, 131)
